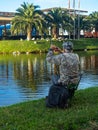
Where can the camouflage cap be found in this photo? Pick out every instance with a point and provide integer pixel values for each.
(68, 45)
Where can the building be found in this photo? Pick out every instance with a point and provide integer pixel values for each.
(5, 21)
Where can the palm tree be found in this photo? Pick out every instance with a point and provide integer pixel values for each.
(54, 18)
(93, 18)
(27, 17)
(67, 22)
(84, 25)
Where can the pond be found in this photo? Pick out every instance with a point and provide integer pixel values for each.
(27, 77)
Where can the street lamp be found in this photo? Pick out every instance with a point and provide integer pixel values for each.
(69, 17)
(78, 19)
(74, 19)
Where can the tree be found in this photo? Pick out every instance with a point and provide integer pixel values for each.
(54, 18)
(84, 24)
(93, 18)
(67, 22)
(27, 17)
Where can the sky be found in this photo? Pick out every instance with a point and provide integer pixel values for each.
(12, 5)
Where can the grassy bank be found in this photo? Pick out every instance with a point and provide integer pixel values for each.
(33, 115)
(17, 46)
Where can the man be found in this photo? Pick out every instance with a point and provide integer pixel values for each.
(68, 66)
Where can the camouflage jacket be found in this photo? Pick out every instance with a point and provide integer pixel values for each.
(68, 66)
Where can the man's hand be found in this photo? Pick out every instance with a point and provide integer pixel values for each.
(55, 48)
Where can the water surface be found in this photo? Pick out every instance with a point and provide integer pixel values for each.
(27, 77)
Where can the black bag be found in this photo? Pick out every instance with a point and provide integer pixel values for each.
(58, 97)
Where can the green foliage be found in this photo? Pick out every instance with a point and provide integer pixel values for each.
(33, 115)
(27, 16)
(93, 19)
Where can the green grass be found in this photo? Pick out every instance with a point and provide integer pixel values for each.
(10, 46)
(33, 115)
(86, 43)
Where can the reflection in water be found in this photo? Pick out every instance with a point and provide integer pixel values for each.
(89, 66)
(88, 63)
(27, 77)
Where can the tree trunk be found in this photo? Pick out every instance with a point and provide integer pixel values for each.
(29, 36)
(29, 32)
(96, 28)
(55, 32)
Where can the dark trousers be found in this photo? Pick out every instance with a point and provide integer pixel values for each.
(54, 80)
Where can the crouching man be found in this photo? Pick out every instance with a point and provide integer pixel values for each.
(68, 63)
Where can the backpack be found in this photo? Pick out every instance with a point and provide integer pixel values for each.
(57, 97)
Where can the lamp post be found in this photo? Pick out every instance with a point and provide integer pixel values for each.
(74, 19)
(69, 17)
(78, 19)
